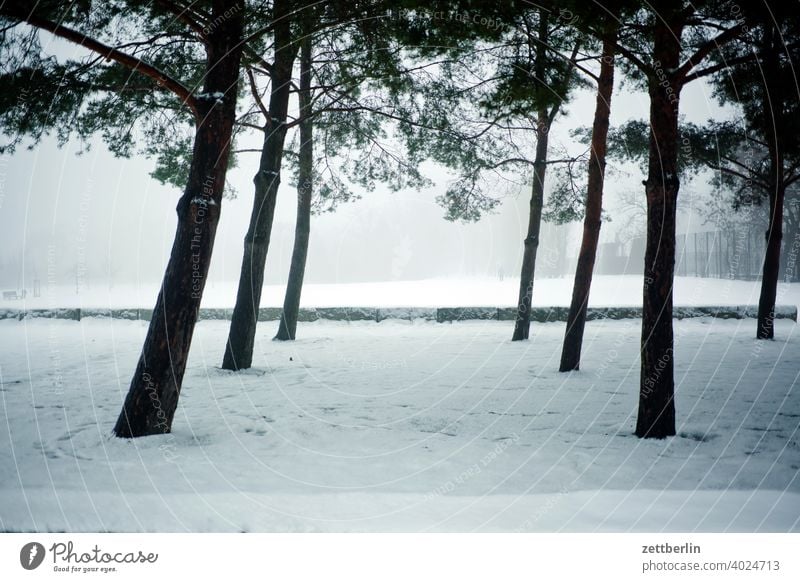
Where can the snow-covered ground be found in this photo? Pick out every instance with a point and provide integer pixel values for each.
(401, 426)
(606, 291)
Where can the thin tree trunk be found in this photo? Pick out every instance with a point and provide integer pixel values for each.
(656, 418)
(241, 337)
(576, 319)
(771, 270)
(150, 405)
(773, 113)
(522, 323)
(305, 185)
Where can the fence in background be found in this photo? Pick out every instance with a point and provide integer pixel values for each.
(734, 254)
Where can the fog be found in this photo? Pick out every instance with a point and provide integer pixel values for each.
(92, 219)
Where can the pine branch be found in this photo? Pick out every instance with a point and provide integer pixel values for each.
(182, 14)
(732, 172)
(705, 49)
(634, 60)
(16, 11)
(256, 96)
(719, 67)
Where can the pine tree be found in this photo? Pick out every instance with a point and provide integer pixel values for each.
(768, 97)
(500, 89)
(667, 49)
(153, 395)
(576, 317)
(663, 46)
(287, 327)
(361, 86)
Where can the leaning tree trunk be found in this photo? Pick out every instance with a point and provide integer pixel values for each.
(241, 337)
(153, 395)
(576, 319)
(771, 270)
(305, 178)
(773, 113)
(656, 418)
(522, 323)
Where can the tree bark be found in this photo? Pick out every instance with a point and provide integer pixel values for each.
(150, 405)
(773, 102)
(241, 337)
(576, 319)
(771, 270)
(522, 323)
(656, 417)
(287, 327)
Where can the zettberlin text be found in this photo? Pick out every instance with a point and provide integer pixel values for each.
(671, 549)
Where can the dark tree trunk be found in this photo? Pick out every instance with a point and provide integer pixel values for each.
(153, 396)
(773, 112)
(305, 186)
(656, 418)
(241, 338)
(576, 319)
(771, 270)
(522, 323)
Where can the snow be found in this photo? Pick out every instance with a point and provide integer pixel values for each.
(607, 291)
(203, 201)
(401, 426)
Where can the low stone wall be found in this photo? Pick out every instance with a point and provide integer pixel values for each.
(441, 314)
